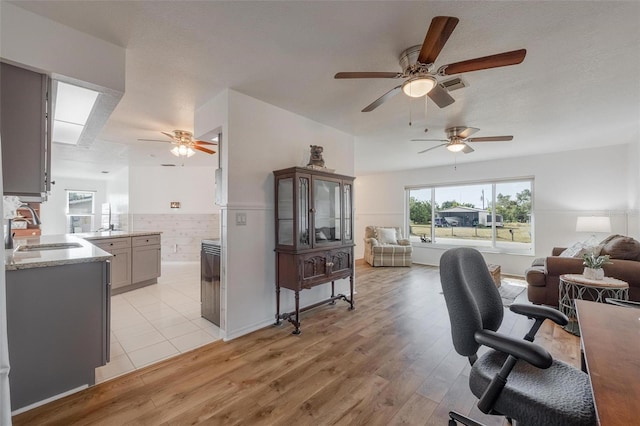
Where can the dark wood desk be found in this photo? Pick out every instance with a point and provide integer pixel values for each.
(611, 345)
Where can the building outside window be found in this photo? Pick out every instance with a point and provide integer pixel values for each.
(80, 211)
(493, 214)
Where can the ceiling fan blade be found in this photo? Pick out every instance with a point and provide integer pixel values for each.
(197, 142)
(429, 140)
(491, 139)
(367, 75)
(440, 96)
(493, 61)
(467, 149)
(465, 132)
(437, 35)
(375, 104)
(155, 140)
(208, 151)
(168, 134)
(433, 147)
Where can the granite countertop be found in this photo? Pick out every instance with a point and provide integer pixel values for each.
(86, 252)
(101, 235)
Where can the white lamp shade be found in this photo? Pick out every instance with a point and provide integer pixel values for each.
(593, 224)
(418, 86)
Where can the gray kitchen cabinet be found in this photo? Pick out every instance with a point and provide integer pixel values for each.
(26, 133)
(145, 258)
(58, 328)
(120, 248)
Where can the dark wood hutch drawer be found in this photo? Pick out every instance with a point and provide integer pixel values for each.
(299, 271)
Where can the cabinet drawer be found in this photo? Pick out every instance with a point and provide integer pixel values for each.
(146, 240)
(110, 244)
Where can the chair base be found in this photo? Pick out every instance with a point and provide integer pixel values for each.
(455, 418)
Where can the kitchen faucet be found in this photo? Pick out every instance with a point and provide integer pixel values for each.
(8, 235)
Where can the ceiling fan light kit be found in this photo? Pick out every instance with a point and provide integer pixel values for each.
(419, 86)
(182, 151)
(418, 67)
(456, 146)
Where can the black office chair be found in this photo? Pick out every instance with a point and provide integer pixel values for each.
(517, 378)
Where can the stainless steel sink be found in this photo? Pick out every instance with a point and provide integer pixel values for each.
(41, 247)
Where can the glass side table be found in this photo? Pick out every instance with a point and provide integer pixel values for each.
(574, 286)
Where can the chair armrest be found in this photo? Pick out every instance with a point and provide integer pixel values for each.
(540, 312)
(557, 266)
(521, 349)
(404, 242)
(371, 241)
(557, 250)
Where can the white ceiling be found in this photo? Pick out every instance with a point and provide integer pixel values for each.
(578, 87)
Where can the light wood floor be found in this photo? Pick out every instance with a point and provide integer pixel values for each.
(390, 361)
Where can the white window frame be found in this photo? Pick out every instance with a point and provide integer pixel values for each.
(494, 246)
(72, 215)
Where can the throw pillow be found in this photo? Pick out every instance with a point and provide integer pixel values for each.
(624, 248)
(576, 250)
(387, 236)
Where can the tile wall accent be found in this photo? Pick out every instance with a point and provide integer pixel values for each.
(181, 233)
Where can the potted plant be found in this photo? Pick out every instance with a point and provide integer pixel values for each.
(593, 265)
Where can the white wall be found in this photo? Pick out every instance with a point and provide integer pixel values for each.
(53, 211)
(151, 190)
(261, 138)
(566, 185)
(634, 189)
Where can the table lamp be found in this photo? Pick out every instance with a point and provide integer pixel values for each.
(593, 225)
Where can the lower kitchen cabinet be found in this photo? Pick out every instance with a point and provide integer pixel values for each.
(120, 248)
(145, 258)
(135, 262)
(58, 328)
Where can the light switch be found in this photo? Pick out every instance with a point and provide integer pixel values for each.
(241, 219)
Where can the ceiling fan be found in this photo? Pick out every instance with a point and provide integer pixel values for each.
(457, 138)
(418, 67)
(185, 144)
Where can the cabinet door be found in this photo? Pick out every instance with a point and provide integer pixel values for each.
(348, 211)
(25, 141)
(145, 262)
(120, 267)
(327, 211)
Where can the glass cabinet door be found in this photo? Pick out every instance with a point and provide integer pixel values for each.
(348, 211)
(303, 212)
(285, 212)
(327, 220)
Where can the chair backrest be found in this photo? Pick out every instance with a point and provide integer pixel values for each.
(472, 298)
(371, 231)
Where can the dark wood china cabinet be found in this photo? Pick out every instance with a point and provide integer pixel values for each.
(314, 234)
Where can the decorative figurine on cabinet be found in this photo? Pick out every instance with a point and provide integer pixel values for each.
(315, 159)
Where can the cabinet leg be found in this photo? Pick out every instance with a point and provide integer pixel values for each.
(297, 323)
(277, 305)
(352, 307)
(333, 292)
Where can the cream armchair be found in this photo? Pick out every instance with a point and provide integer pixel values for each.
(384, 246)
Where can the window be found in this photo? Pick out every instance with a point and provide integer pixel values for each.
(80, 211)
(494, 214)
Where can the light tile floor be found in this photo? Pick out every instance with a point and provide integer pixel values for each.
(157, 322)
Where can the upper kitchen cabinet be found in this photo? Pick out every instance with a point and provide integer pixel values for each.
(26, 133)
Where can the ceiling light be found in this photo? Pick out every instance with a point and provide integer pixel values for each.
(418, 86)
(72, 109)
(455, 146)
(182, 151)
